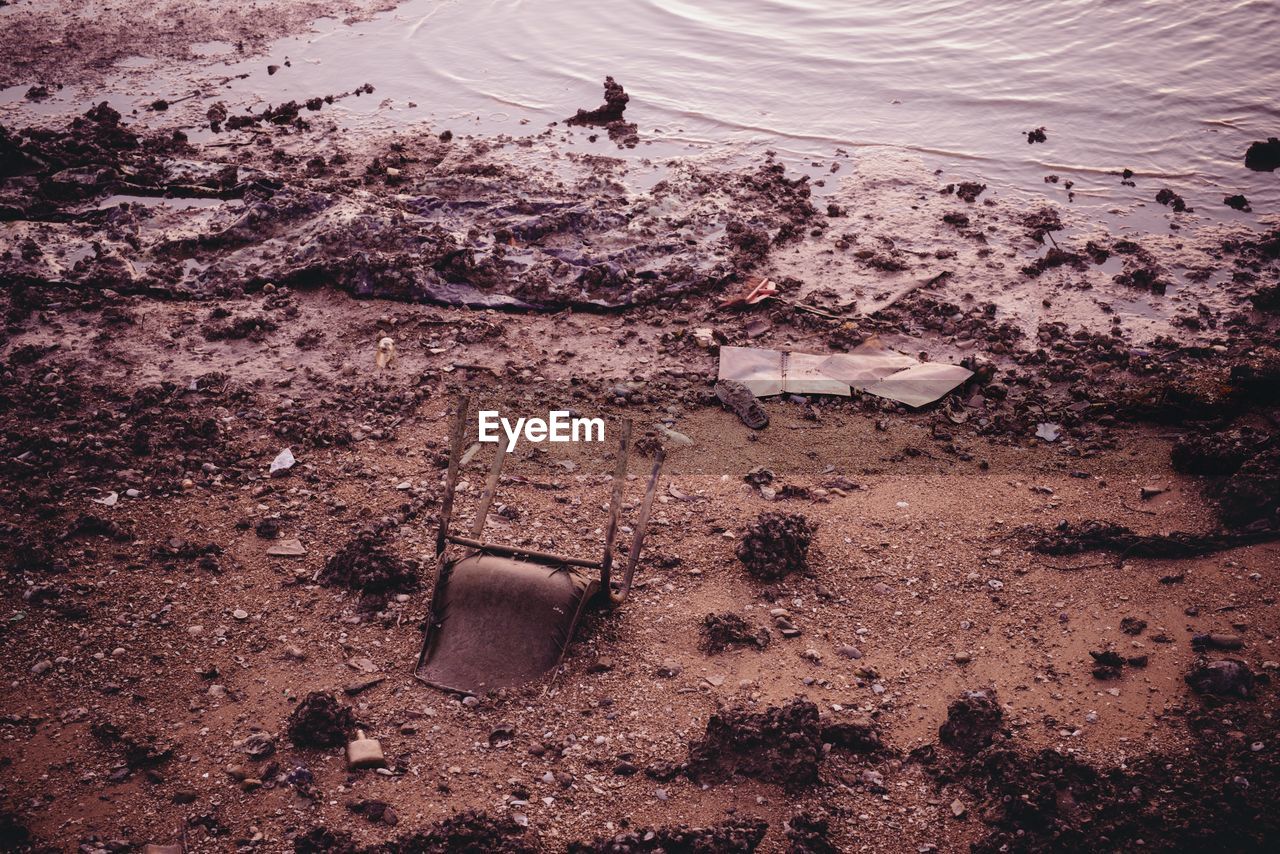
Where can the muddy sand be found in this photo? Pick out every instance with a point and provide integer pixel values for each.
(1038, 614)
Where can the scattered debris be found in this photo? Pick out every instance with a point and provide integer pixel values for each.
(776, 545)
(319, 721)
(973, 721)
(722, 631)
(782, 744)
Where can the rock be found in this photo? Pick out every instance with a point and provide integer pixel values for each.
(282, 463)
(1263, 156)
(1217, 640)
(240, 614)
(962, 658)
(1227, 677)
(41, 667)
(670, 669)
(957, 808)
(287, 548)
(849, 651)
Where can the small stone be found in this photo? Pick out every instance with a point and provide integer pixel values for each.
(240, 614)
(670, 669)
(996, 584)
(287, 548)
(282, 463)
(962, 658)
(850, 651)
(41, 667)
(957, 808)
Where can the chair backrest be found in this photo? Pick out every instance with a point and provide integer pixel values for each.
(457, 438)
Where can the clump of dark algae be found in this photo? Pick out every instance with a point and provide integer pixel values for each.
(776, 545)
(722, 631)
(320, 721)
(973, 721)
(736, 836)
(365, 565)
(1263, 156)
(782, 744)
(1218, 794)
(609, 115)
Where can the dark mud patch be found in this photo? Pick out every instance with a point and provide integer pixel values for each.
(467, 831)
(424, 220)
(808, 832)
(609, 115)
(973, 721)
(782, 744)
(1224, 677)
(738, 835)
(857, 735)
(1220, 795)
(1077, 538)
(1263, 156)
(320, 721)
(776, 545)
(723, 631)
(366, 565)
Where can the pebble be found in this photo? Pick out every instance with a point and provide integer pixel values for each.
(240, 614)
(850, 651)
(962, 658)
(995, 584)
(670, 669)
(41, 667)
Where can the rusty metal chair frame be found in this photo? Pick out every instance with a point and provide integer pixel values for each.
(476, 545)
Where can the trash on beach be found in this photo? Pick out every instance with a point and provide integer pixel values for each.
(386, 355)
(770, 372)
(287, 548)
(282, 463)
(758, 289)
(365, 753)
(1048, 431)
(870, 367)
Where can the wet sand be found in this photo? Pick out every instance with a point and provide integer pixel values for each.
(166, 349)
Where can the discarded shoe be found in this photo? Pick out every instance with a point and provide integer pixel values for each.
(737, 397)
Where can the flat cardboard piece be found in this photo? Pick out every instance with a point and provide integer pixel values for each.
(869, 367)
(770, 372)
(921, 384)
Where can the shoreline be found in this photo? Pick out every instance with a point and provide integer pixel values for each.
(164, 351)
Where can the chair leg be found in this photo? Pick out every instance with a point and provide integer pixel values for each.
(615, 506)
(490, 487)
(456, 438)
(642, 524)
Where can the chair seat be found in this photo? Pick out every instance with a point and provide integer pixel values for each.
(501, 621)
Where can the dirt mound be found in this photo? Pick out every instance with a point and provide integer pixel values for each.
(858, 735)
(782, 744)
(468, 832)
(322, 840)
(1216, 453)
(807, 834)
(1252, 494)
(1225, 677)
(776, 544)
(319, 721)
(972, 721)
(721, 631)
(1069, 539)
(738, 835)
(365, 565)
